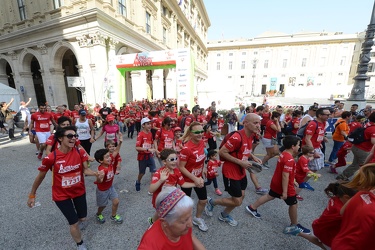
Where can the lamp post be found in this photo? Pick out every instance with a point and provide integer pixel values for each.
(255, 61)
(358, 90)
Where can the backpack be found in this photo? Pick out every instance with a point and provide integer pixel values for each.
(301, 130)
(2, 116)
(288, 128)
(17, 117)
(358, 135)
(226, 139)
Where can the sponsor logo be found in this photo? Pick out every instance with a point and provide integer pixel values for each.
(142, 60)
(68, 168)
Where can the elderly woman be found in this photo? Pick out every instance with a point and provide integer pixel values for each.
(173, 229)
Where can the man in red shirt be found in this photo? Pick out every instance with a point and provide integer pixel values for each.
(236, 152)
(41, 121)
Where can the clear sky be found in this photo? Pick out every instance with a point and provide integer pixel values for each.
(249, 18)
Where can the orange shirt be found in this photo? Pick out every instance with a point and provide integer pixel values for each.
(340, 125)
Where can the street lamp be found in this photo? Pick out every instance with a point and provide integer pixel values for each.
(255, 61)
(358, 90)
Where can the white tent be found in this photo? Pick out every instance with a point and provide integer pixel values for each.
(7, 93)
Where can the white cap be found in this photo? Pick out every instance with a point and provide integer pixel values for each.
(144, 120)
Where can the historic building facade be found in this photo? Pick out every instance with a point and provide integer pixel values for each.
(49, 45)
(299, 65)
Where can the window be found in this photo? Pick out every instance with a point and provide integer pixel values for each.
(148, 23)
(264, 76)
(218, 66)
(218, 54)
(322, 61)
(285, 62)
(320, 74)
(57, 3)
(244, 53)
(242, 76)
(283, 75)
(302, 75)
(165, 11)
(21, 8)
(304, 62)
(164, 35)
(255, 53)
(372, 54)
(243, 65)
(122, 7)
(230, 54)
(340, 74)
(342, 61)
(371, 67)
(229, 76)
(230, 65)
(266, 64)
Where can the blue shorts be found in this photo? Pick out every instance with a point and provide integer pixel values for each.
(149, 162)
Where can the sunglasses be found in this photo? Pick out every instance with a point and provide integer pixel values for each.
(172, 159)
(70, 136)
(313, 152)
(197, 132)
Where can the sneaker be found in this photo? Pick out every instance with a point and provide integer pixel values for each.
(293, 230)
(137, 186)
(253, 212)
(150, 221)
(266, 166)
(149, 193)
(299, 197)
(303, 229)
(200, 223)
(81, 247)
(342, 177)
(100, 218)
(116, 219)
(22, 134)
(40, 155)
(306, 185)
(261, 191)
(228, 219)
(218, 192)
(332, 170)
(37, 152)
(208, 209)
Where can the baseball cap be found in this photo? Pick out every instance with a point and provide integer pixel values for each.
(313, 108)
(110, 118)
(144, 120)
(177, 129)
(82, 112)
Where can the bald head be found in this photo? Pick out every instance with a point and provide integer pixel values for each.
(251, 123)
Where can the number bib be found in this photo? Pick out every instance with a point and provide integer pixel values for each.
(168, 144)
(70, 180)
(44, 125)
(111, 136)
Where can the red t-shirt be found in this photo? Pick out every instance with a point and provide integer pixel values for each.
(295, 121)
(173, 180)
(327, 226)
(144, 140)
(358, 224)
(179, 145)
(109, 173)
(240, 147)
(154, 238)
(165, 138)
(301, 169)
(57, 116)
(285, 164)
(74, 114)
(353, 126)
(265, 118)
(41, 121)
(270, 133)
(317, 133)
(369, 133)
(122, 115)
(67, 173)
(189, 119)
(193, 155)
(212, 167)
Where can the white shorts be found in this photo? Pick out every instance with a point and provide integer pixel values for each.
(43, 136)
(267, 143)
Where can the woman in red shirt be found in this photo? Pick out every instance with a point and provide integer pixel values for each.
(269, 138)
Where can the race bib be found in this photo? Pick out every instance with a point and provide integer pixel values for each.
(44, 125)
(168, 144)
(146, 145)
(70, 180)
(111, 136)
(82, 131)
(196, 172)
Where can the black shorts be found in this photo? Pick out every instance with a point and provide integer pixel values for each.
(235, 187)
(290, 200)
(73, 209)
(200, 192)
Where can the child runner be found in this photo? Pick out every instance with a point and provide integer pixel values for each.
(302, 168)
(168, 175)
(146, 150)
(212, 165)
(105, 190)
(282, 186)
(111, 146)
(177, 139)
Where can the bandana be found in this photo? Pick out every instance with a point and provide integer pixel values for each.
(169, 202)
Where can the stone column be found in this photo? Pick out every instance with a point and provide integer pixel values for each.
(139, 84)
(4, 79)
(57, 89)
(26, 80)
(171, 86)
(157, 84)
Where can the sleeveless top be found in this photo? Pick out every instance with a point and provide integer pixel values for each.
(83, 130)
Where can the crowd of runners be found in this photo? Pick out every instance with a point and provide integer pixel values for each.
(186, 147)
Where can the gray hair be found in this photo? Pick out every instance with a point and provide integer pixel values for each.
(183, 204)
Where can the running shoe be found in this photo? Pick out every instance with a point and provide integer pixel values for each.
(137, 186)
(306, 185)
(303, 229)
(150, 221)
(218, 192)
(81, 247)
(265, 165)
(261, 191)
(299, 197)
(116, 219)
(40, 155)
(200, 223)
(228, 219)
(208, 209)
(100, 218)
(293, 230)
(332, 170)
(253, 212)
(149, 193)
